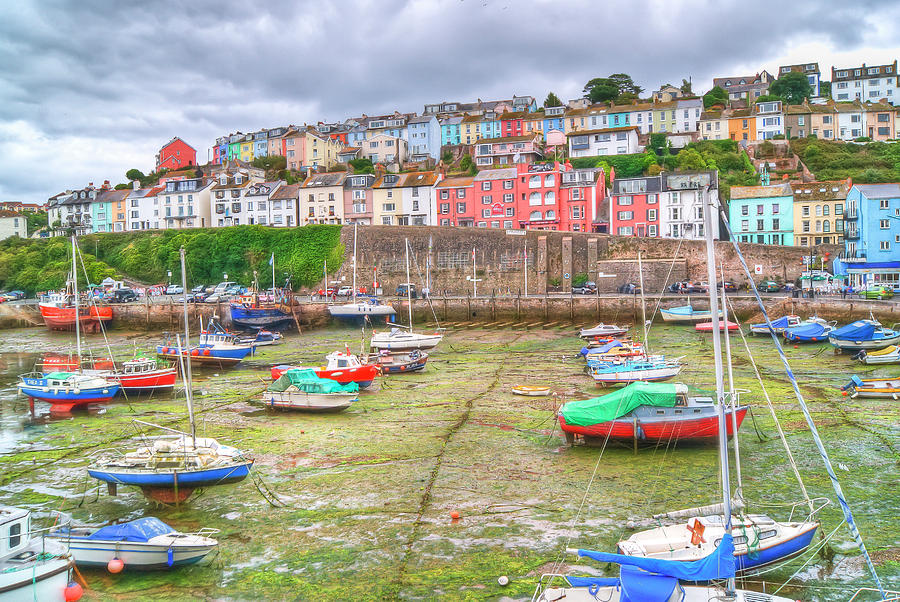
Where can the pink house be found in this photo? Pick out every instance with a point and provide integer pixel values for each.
(175, 154)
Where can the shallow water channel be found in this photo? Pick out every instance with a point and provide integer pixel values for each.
(366, 495)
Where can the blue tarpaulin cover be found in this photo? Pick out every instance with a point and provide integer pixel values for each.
(141, 529)
(602, 349)
(646, 587)
(781, 322)
(718, 565)
(861, 330)
(589, 581)
(806, 331)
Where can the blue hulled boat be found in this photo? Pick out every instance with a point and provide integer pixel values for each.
(217, 347)
(686, 314)
(779, 325)
(253, 314)
(813, 330)
(65, 390)
(863, 334)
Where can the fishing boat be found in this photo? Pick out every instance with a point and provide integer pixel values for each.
(169, 468)
(811, 330)
(392, 362)
(59, 312)
(398, 339)
(888, 355)
(644, 411)
(32, 567)
(342, 367)
(251, 312)
(708, 326)
(263, 338)
(602, 331)
(654, 368)
(301, 389)
(66, 390)
(872, 387)
(686, 314)
(778, 326)
(216, 347)
(142, 544)
(863, 334)
(140, 375)
(758, 540)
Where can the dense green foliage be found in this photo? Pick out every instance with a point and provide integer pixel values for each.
(866, 163)
(36, 220)
(271, 163)
(716, 96)
(363, 165)
(552, 100)
(825, 89)
(617, 87)
(43, 264)
(793, 87)
(627, 166)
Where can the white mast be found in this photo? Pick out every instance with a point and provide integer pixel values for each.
(709, 211)
(525, 269)
(408, 288)
(184, 349)
(75, 290)
(474, 277)
(355, 224)
(428, 265)
(739, 490)
(643, 303)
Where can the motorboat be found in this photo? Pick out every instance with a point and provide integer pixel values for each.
(66, 390)
(342, 367)
(779, 325)
(863, 334)
(301, 389)
(888, 355)
(654, 368)
(708, 326)
(217, 347)
(59, 312)
(872, 387)
(686, 314)
(399, 339)
(811, 330)
(140, 375)
(262, 338)
(603, 330)
(142, 544)
(357, 311)
(614, 349)
(394, 362)
(645, 411)
(32, 567)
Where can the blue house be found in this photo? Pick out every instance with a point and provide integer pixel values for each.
(554, 119)
(450, 130)
(762, 214)
(489, 127)
(872, 234)
(424, 137)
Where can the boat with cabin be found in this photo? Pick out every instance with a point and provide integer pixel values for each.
(603, 331)
(653, 368)
(863, 334)
(342, 367)
(811, 330)
(400, 362)
(66, 390)
(779, 325)
(32, 566)
(216, 347)
(142, 544)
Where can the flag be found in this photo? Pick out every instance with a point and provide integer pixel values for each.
(272, 259)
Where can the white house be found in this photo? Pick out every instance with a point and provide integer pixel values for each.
(865, 83)
(851, 120)
(184, 203)
(609, 141)
(12, 224)
(769, 119)
(257, 203)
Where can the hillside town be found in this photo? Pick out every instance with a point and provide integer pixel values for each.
(508, 164)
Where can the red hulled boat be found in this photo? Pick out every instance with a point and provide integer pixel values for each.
(58, 311)
(343, 367)
(708, 327)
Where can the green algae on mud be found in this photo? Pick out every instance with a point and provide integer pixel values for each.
(368, 492)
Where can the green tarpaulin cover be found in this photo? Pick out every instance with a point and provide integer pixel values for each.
(615, 405)
(307, 380)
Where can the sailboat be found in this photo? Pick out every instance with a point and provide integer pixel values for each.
(664, 580)
(168, 468)
(399, 339)
(65, 390)
(359, 308)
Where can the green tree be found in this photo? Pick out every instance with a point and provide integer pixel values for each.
(270, 163)
(134, 174)
(466, 162)
(716, 96)
(793, 87)
(122, 186)
(552, 100)
(825, 89)
(768, 98)
(625, 84)
(600, 89)
(687, 87)
(690, 159)
(658, 143)
(363, 165)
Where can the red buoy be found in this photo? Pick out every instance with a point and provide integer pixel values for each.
(796, 346)
(844, 393)
(165, 350)
(73, 592)
(454, 515)
(206, 352)
(115, 566)
(195, 352)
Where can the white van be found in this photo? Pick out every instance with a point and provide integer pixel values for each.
(220, 288)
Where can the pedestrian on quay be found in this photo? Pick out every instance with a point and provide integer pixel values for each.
(843, 292)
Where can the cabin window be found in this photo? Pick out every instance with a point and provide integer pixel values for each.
(767, 534)
(15, 535)
(678, 411)
(660, 412)
(680, 400)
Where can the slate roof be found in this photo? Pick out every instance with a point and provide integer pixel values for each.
(820, 191)
(286, 191)
(880, 191)
(332, 178)
(761, 192)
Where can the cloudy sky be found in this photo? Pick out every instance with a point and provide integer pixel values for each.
(91, 88)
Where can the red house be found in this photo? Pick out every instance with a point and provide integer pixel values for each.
(175, 154)
(511, 124)
(557, 197)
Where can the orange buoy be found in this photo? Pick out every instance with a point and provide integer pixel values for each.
(115, 566)
(206, 352)
(73, 592)
(454, 515)
(796, 346)
(844, 393)
(165, 350)
(195, 352)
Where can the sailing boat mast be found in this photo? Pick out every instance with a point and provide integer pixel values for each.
(355, 225)
(75, 291)
(408, 288)
(708, 212)
(643, 303)
(188, 390)
(739, 490)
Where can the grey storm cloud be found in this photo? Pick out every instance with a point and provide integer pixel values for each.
(93, 88)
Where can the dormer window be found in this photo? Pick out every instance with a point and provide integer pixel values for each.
(223, 180)
(238, 178)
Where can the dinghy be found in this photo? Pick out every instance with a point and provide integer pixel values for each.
(654, 368)
(392, 362)
(303, 390)
(686, 314)
(142, 544)
(602, 330)
(708, 326)
(888, 355)
(812, 330)
(779, 325)
(872, 387)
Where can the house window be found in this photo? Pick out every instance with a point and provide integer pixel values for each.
(384, 207)
(507, 184)
(445, 208)
(885, 204)
(624, 200)
(535, 216)
(510, 211)
(885, 245)
(507, 198)
(445, 194)
(884, 224)
(745, 210)
(775, 209)
(805, 226)
(549, 197)
(625, 216)
(386, 220)
(775, 224)
(460, 207)
(485, 185)
(460, 193)
(485, 213)
(625, 231)
(651, 199)
(760, 224)
(804, 210)
(651, 215)
(759, 209)
(534, 198)
(486, 199)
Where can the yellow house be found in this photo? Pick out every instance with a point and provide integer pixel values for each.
(819, 212)
(533, 123)
(247, 149)
(307, 148)
(469, 129)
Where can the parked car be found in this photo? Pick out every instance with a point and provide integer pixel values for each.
(345, 291)
(234, 290)
(214, 298)
(769, 286)
(123, 295)
(401, 290)
(326, 292)
(223, 286)
(629, 288)
(199, 289)
(730, 287)
(588, 288)
(174, 289)
(876, 291)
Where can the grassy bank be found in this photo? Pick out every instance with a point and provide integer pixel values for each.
(36, 265)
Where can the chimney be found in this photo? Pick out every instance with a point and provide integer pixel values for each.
(135, 184)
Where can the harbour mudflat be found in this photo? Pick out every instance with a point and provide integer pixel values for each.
(368, 493)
